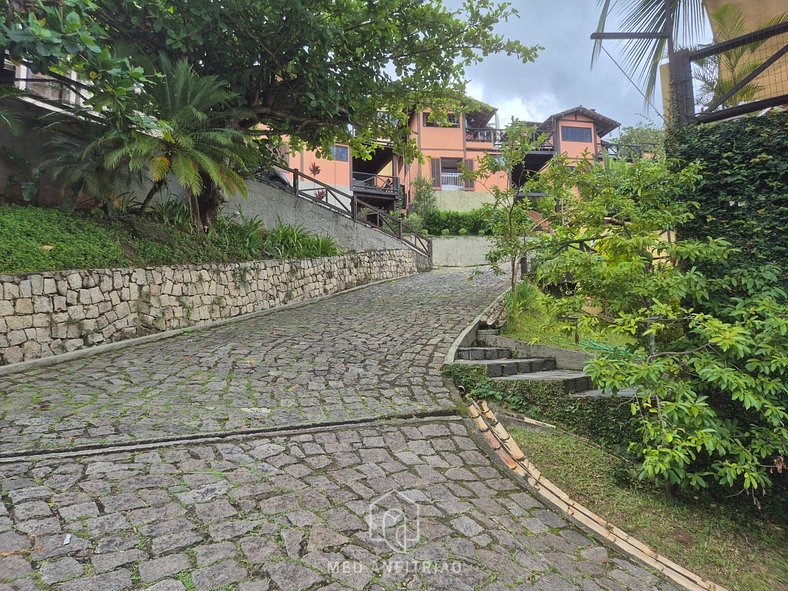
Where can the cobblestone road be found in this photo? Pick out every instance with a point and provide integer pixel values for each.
(388, 504)
(364, 354)
(293, 513)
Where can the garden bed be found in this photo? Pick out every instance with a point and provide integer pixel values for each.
(34, 239)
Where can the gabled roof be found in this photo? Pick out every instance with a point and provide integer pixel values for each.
(604, 125)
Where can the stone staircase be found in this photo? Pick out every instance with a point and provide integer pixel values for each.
(502, 365)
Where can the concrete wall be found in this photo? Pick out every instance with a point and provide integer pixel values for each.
(462, 200)
(460, 251)
(274, 206)
(43, 314)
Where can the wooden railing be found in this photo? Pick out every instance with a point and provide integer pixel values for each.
(627, 151)
(359, 211)
(376, 182)
(491, 135)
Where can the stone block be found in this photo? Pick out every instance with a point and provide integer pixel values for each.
(6, 308)
(24, 305)
(42, 303)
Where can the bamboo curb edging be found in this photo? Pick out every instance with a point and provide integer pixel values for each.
(513, 457)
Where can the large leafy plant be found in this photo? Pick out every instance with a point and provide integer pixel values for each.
(709, 361)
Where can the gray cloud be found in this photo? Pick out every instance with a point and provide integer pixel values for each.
(561, 77)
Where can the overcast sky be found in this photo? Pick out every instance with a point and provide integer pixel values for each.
(561, 77)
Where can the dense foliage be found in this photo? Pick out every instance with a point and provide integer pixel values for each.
(709, 356)
(35, 239)
(317, 71)
(743, 185)
(474, 222)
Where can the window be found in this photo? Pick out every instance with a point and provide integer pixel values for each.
(339, 153)
(575, 134)
(451, 119)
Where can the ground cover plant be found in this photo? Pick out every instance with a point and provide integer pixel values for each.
(721, 539)
(37, 239)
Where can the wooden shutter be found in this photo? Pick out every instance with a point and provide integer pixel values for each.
(435, 163)
(469, 182)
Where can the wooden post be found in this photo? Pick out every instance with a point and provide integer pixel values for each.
(682, 100)
(295, 181)
(353, 207)
(399, 228)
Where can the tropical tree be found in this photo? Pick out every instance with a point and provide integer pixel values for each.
(515, 215)
(643, 56)
(643, 139)
(317, 71)
(186, 138)
(720, 73)
(709, 356)
(689, 20)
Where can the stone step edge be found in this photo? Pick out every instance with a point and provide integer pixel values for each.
(513, 457)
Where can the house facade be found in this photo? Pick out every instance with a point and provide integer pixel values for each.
(387, 181)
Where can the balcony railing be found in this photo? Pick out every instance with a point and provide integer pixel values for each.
(485, 135)
(490, 135)
(627, 151)
(365, 181)
(452, 181)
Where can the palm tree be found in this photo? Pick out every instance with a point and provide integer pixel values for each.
(643, 56)
(689, 21)
(188, 141)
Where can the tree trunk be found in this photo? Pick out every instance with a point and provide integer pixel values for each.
(194, 206)
(210, 199)
(149, 197)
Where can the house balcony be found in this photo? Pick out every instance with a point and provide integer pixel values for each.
(379, 190)
(484, 135)
(452, 181)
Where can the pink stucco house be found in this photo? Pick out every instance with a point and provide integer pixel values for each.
(386, 179)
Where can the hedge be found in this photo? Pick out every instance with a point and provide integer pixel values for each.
(743, 193)
(473, 222)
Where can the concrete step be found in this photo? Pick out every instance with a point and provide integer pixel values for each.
(506, 367)
(479, 353)
(487, 332)
(573, 381)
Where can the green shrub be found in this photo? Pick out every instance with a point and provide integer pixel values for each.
(36, 239)
(424, 200)
(743, 189)
(445, 232)
(474, 222)
(463, 232)
(415, 222)
(287, 242)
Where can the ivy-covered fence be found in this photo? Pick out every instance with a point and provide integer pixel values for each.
(743, 193)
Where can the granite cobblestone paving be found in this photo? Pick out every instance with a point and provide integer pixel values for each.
(388, 503)
(362, 354)
(291, 513)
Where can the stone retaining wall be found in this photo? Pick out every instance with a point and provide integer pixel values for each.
(44, 314)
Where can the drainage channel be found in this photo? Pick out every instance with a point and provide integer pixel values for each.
(145, 444)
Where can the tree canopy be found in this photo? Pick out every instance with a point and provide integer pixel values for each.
(316, 70)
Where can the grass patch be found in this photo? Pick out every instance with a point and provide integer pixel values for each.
(722, 540)
(532, 320)
(35, 239)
